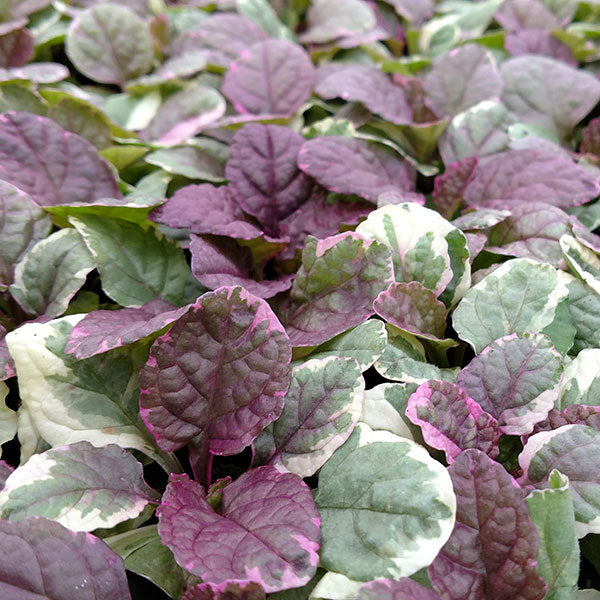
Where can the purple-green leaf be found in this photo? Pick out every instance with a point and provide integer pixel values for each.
(266, 530)
(222, 370)
(395, 589)
(449, 187)
(228, 590)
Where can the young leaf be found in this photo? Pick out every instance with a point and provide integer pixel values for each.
(321, 408)
(222, 370)
(79, 486)
(375, 483)
(551, 511)
(35, 553)
(267, 525)
(489, 554)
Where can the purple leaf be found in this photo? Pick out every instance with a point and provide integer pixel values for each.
(7, 365)
(492, 552)
(536, 41)
(515, 379)
(23, 8)
(449, 187)
(222, 369)
(266, 531)
(102, 330)
(531, 231)
(219, 261)
(449, 91)
(335, 287)
(224, 36)
(43, 559)
(241, 590)
(365, 84)
(16, 48)
(516, 15)
(5, 471)
(415, 12)
(400, 589)
(451, 421)
(530, 175)
(413, 308)
(52, 165)
(573, 414)
(352, 166)
(273, 77)
(263, 174)
(206, 209)
(591, 137)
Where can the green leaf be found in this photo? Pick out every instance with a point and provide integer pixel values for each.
(136, 263)
(8, 417)
(262, 14)
(584, 308)
(386, 506)
(551, 511)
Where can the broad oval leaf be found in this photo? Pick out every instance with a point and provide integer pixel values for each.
(452, 421)
(109, 43)
(35, 553)
(274, 77)
(378, 483)
(353, 166)
(515, 379)
(573, 450)
(335, 287)
(322, 405)
(277, 553)
(50, 164)
(222, 370)
(79, 486)
(581, 381)
(492, 552)
(519, 296)
(263, 175)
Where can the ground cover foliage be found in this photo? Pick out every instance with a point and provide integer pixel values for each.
(299, 300)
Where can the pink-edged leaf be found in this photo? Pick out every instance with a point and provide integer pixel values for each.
(273, 77)
(515, 379)
(492, 552)
(206, 209)
(537, 41)
(228, 590)
(476, 242)
(335, 287)
(219, 261)
(263, 174)
(320, 218)
(223, 36)
(573, 414)
(531, 231)
(395, 589)
(365, 84)
(352, 166)
(7, 365)
(452, 421)
(321, 408)
(548, 93)
(449, 91)
(52, 165)
(591, 137)
(516, 15)
(449, 187)
(43, 559)
(221, 370)
(16, 48)
(415, 12)
(5, 471)
(103, 330)
(413, 308)
(267, 529)
(530, 175)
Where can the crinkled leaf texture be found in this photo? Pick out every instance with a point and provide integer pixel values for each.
(50, 164)
(515, 379)
(274, 77)
(452, 421)
(79, 486)
(573, 450)
(492, 552)
(322, 406)
(353, 166)
(387, 507)
(43, 559)
(335, 286)
(239, 590)
(222, 370)
(266, 530)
